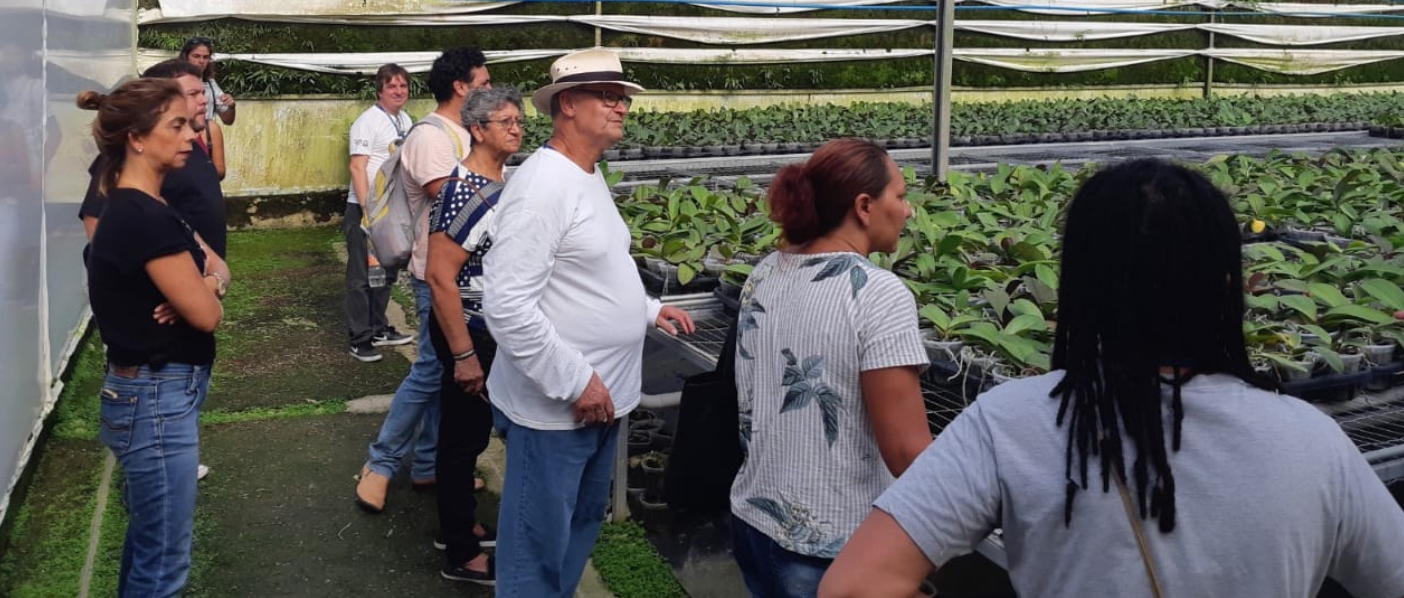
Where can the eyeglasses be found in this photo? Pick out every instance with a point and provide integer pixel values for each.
(508, 123)
(610, 98)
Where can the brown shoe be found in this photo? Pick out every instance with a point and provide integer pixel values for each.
(424, 485)
(370, 491)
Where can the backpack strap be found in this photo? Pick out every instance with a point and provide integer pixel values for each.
(483, 194)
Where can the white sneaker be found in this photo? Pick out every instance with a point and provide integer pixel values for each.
(202, 471)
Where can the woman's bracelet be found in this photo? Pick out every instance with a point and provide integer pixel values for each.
(465, 355)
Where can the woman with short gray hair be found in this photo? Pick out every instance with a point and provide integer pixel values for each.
(458, 239)
(482, 104)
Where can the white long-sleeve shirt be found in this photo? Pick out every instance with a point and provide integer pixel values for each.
(562, 296)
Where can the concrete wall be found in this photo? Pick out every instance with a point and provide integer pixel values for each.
(297, 145)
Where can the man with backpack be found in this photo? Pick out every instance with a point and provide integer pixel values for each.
(431, 152)
(375, 135)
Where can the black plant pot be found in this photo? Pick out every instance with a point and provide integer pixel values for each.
(640, 442)
(770, 148)
(611, 155)
(633, 153)
(1377, 131)
(962, 141)
(662, 441)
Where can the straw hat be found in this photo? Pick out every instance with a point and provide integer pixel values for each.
(581, 68)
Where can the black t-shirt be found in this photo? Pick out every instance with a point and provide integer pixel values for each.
(193, 191)
(137, 228)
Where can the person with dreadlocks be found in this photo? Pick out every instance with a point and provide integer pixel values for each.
(1152, 461)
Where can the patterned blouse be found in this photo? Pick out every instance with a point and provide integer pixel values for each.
(809, 324)
(464, 215)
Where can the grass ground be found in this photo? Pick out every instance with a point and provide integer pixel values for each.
(276, 517)
(281, 358)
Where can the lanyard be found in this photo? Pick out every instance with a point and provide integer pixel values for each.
(394, 122)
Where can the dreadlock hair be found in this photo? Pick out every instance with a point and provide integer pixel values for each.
(1151, 277)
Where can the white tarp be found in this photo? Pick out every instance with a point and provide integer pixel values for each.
(1302, 62)
(745, 30)
(1085, 7)
(1302, 9)
(781, 7)
(1067, 31)
(419, 62)
(214, 9)
(1053, 60)
(1042, 60)
(1287, 35)
(154, 16)
(432, 12)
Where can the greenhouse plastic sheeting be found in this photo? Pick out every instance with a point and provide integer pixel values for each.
(1288, 35)
(1064, 60)
(1067, 31)
(1302, 62)
(250, 9)
(1042, 60)
(47, 147)
(412, 12)
(745, 30)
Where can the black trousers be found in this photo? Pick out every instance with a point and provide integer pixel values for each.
(365, 306)
(465, 423)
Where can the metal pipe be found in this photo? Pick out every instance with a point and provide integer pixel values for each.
(941, 92)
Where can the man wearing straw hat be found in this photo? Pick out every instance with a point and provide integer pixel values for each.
(564, 300)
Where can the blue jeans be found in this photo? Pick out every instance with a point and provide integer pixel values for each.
(771, 571)
(415, 408)
(553, 502)
(151, 424)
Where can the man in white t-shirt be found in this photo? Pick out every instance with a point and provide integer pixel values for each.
(374, 136)
(563, 299)
(428, 158)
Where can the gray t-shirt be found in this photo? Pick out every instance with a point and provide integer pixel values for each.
(809, 326)
(1271, 499)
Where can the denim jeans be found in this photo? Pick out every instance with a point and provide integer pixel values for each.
(414, 412)
(365, 306)
(553, 502)
(771, 571)
(151, 424)
(465, 425)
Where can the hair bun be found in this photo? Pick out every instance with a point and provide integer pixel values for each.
(91, 100)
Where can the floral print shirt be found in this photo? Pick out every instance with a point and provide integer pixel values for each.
(809, 324)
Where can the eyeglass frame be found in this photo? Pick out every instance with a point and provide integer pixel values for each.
(604, 94)
(507, 122)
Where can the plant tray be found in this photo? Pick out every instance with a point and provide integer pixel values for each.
(658, 286)
(1331, 388)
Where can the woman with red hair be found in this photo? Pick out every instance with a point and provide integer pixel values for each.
(827, 364)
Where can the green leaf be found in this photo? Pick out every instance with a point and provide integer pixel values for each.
(1025, 322)
(1328, 295)
(686, 273)
(937, 316)
(1360, 313)
(1385, 291)
(1302, 304)
(1047, 276)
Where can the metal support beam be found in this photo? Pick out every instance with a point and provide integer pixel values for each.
(1209, 61)
(941, 92)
